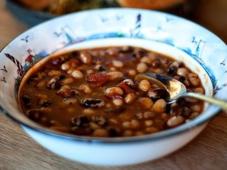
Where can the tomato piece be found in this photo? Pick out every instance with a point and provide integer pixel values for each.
(98, 79)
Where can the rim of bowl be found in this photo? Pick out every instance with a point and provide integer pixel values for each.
(123, 140)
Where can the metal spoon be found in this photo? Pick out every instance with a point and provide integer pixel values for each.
(176, 89)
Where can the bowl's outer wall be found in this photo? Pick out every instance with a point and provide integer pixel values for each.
(120, 154)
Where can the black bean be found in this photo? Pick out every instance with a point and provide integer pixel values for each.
(81, 131)
(101, 68)
(32, 79)
(90, 102)
(36, 77)
(62, 77)
(54, 83)
(74, 92)
(182, 79)
(158, 94)
(67, 92)
(26, 101)
(81, 121)
(172, 70)
(156, 63)
(140, 53)
(44, 103)
(113, 132)
(35, 114)
(168, 108)
(173, 111)
(181, 64)
(45, 121)
(185, 111)
(129, 82)
(181, 102)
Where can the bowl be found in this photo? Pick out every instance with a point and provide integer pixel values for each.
(183, 40)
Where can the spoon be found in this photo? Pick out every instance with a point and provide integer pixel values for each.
(176, 89)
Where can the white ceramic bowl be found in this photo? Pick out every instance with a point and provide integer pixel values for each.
(198, 48)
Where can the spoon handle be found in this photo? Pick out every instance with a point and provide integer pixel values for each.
(211, 100)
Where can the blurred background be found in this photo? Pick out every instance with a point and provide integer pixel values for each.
(210, 13)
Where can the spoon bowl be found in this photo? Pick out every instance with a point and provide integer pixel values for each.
(176, 89)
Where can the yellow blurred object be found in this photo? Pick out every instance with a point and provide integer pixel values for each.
(36, 5)
(59, 7)
(150, 4)
(66, 6)
(213, 15)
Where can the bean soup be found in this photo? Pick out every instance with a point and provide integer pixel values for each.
(93, 92)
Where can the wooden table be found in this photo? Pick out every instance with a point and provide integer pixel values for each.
(19, 152)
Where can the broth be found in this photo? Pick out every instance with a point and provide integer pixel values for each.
(93, 92)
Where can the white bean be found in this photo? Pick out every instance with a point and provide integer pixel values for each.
(115, 75)
(141, 67)
(100, 133)
(129, 98)
(65, 66)
(118, 102)
(117, 63)
(175, 120)
(113, 91)
(159, 106)
(146, 60)
(146, 102)
(144, 85)
(182, 72)
(77, 74)
(148, 122)
(67, 81)
(85, 57)
(193, 78)
(132, 72)
(85, 88)
(135, 123)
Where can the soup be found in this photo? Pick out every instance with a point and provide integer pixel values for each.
(93, 92)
